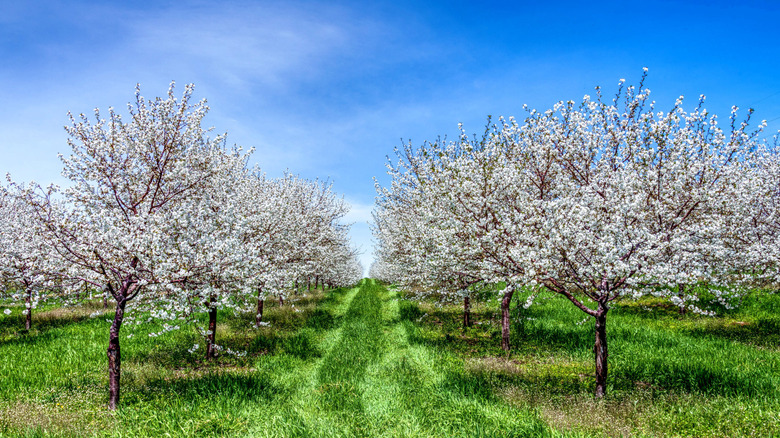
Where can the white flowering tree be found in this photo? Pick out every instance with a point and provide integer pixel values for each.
(128, 178)
(312, 236)
(26, 259)
(204, 252)
(341, 267)
(417, 229)
(594, 201)
(634, 204)
(450, 200)
(752, 222)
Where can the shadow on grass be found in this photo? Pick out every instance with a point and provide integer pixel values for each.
(755, 323)
(322, 319)
(211, 385)
(292, 331)
(302, 344)
(12, 326)
(695, 376)
(762, 332)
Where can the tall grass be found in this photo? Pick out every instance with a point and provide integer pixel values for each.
(54, 378)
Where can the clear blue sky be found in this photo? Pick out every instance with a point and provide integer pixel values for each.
(328, 89)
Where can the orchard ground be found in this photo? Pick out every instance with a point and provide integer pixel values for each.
(367, 362)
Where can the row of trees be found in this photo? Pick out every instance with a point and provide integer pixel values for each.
(595, 201)
(169, 222)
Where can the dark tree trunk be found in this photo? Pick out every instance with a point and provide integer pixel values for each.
(281, 301)
(211, 334)
(505, 319)
(466, 312)
(296, 287)
(28, 307)
(600, 349)
(681, 295)
(308, 285)
(113, 352)
(105, 298)
(316, 282)
(260, 304)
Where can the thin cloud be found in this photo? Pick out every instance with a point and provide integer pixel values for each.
(358, 213)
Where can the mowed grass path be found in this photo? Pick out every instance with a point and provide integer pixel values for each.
(373, 383)
(339, 364)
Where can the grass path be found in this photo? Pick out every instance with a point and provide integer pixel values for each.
(342, 364)
(372, 382)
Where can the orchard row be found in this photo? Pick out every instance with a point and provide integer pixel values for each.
(597, 201)
(170, 223)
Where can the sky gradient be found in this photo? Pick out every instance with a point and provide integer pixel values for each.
(328, 89)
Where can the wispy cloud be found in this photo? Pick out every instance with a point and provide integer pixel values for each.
(358, 212)
(265, 44)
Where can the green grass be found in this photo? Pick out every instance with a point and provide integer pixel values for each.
(342, 366)
(669, 375)
(363, 362)
(54, 378)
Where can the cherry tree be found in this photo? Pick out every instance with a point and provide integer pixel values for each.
(594, 201)
(204, 252)
(26, 259)
(128, 178)
(633, 201)
(313, 233)
(753, 219)
(444, 196)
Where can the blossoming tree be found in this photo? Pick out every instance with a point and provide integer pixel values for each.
(127, 179)
(594, 201)
(26, 259)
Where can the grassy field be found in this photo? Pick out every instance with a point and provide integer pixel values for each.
(364, 362)
(669, 375)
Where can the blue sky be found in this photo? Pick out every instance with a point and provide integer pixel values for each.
(328, 89)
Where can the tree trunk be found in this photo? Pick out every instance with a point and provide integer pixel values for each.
(28, 307)
(211, 334)
(466, 312)
(681, 295)
(316, 282)
(114, 356)
(260, 304)
(308, 285)
(105, 298)
(281, 301)
(505, 319)
(600, 349)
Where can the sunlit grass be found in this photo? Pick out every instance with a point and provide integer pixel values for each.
(53, 378)
(669, 374)
(362, 362)
(341, 366)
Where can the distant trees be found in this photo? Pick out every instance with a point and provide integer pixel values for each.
(753, 219)
(26, 259)
(593, 201)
